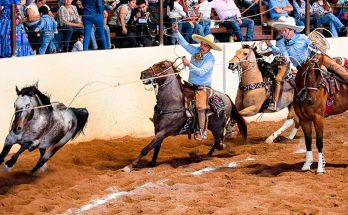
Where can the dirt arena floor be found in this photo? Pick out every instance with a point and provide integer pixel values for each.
(252, 178)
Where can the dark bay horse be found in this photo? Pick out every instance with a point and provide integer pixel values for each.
(254, 91)
(38, 123)
(317, 95)
(170, 116)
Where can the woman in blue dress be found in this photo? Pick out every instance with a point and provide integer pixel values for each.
(22, 43)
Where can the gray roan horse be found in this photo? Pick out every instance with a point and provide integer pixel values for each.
(40, 124)
(170, 114)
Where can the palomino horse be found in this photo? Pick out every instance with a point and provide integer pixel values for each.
(170, 113)
(253, 91)
(40, 124)
(318, 94)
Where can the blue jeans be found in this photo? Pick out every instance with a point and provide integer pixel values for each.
(107, 36)
(206, 26)
(68, 31)
(98, 21)
(47, 40)
(234, 25)
(333, 22)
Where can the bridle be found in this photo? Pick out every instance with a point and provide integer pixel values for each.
(251, 65)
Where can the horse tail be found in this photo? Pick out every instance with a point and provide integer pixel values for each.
(81, 117)
(242, 126)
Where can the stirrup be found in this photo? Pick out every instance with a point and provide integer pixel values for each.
(273, 106)
(200, 135)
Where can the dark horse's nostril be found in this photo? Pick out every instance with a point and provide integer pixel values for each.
(231, 65)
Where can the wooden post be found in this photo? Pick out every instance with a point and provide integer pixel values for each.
(161, 22)
(13, 29)
(307, 17)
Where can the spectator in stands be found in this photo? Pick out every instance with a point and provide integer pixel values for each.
(204, 11)
(343, 14)
(252, 7)
(93, 14)
(119, 21)
(47, 28)
(230, 14)
(33, 16)
(78, 46)
(107, 30)
(70, 22)
(190, 25)
(175, 13)
(154, 10)
(143, 30)
(323, 9)
(281, 8)
(22, 43)
(300, 13)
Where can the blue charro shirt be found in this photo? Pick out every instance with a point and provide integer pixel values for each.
(47, 24)
(201, 71)
(299, 51)
(92, 7)
(276, 3)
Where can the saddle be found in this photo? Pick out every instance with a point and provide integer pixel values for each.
(215, 105)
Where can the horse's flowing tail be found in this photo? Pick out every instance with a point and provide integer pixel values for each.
(242, 126)
(82, 117)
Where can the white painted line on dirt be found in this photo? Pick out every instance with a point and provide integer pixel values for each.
(229, 165)
(114, 195)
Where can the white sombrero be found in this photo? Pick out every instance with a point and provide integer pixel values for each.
(209, 39)
(287, 22)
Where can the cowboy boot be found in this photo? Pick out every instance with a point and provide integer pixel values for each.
(201, 122)
(333, 66)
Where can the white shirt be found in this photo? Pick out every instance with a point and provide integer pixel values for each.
(205, 9)
(78, 46)
(177, 12)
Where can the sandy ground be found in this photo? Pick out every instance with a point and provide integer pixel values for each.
(253, 178)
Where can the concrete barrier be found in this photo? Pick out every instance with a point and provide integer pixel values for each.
(114, 111)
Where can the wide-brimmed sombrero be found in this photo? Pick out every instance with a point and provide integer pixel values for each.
(287, 22)
(209, 39)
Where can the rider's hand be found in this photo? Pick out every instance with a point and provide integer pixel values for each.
(124, 30)
(239, 21)
(175, 27)
(268, 43)
(186, 62)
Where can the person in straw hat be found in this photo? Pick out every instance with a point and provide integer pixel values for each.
(200, 71)
(295, 47)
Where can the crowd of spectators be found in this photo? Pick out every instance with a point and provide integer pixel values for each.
(89, 24)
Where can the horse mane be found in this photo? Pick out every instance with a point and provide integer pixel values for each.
(247, 46)
(31, 91)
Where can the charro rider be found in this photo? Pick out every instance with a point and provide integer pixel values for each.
(296, 47)
(200, 71)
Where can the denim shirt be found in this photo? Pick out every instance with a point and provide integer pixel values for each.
(299, 52)
(92, 7)
(276, 3)
(201, 71)
(47, 24)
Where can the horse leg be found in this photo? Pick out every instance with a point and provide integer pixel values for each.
(155, 155)
(218, 133)
(285, 126)
(154, 143)
(295, 129)
(52, 150)
(249, 111)
(9, 164)
(319, 129)
(9, 141)
(307, 130)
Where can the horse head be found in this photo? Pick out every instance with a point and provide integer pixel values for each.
(157, 73)
(28, 98)
(244, 56)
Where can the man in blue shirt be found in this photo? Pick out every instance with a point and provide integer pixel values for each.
(200, 70)
(281, 8)
(296, 47)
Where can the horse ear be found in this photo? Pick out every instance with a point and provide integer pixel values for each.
(36, 84)
(17, 90)
(253, 45)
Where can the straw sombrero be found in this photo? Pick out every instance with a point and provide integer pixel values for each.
(209, 39)
(287, 22)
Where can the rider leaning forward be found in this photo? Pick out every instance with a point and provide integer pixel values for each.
(296, 47)
(200, 70)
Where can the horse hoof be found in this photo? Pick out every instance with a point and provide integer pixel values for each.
(43, 168)
(270, 139)
(306, 167)
(320, 171)
(127, 169)
(152, 164)
(6, 169)
(222, 146)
